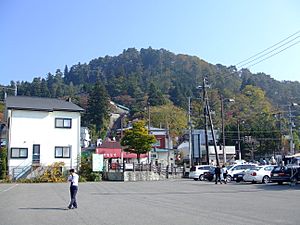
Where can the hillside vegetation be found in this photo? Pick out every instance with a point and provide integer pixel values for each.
(136, 78)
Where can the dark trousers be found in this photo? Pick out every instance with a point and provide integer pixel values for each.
(218, 178)
(73, 192)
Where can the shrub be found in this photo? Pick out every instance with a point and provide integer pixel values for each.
(52, 173)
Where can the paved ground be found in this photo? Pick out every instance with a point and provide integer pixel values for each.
(169, 202)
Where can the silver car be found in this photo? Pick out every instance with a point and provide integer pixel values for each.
(197, 172)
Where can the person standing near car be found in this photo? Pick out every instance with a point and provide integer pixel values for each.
(218, 174)
(73, 179)
(224, 174)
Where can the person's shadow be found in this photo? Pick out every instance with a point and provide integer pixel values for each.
(43, 208)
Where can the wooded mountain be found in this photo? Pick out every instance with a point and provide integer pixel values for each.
(159, 77)
(128, 78)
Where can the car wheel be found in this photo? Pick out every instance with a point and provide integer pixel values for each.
(201, 177)
(195, 178)
(280, 182)
(266, 179)
(228, 179)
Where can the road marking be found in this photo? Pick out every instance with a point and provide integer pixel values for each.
(5, 190)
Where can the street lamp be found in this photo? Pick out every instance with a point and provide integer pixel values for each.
(291, 128)
(223, 127)
(239, 141)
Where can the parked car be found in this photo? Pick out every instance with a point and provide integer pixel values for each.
(209, 175)
(238, 169)
(238, 177)
(197, 172)
(288, 173)
(261, 174)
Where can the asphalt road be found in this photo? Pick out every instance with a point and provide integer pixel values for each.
(168, 202)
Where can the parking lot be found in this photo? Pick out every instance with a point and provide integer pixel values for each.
(171, 202)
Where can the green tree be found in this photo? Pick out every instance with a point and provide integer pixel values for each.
(97, 112)
(155, 96)
(137, 140)
(44, 89)
(169, 116)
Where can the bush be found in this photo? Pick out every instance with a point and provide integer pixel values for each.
(86, 172)
(3, 160)
(52, 173)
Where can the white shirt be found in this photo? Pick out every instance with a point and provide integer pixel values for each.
(73, 179)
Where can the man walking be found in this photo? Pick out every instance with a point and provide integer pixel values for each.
(218, 174)
(73, 179)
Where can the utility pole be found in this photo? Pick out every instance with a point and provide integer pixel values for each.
(239, 139)
(208, 114)
(148, 109)
(223, 129)
(291, 131)
(168, 144)
(205, 111)
(190, 134)
(212, 132)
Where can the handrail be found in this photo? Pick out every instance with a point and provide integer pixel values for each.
(23, 170)
(20, 165)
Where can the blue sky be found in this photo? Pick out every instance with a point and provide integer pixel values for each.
(37, 37)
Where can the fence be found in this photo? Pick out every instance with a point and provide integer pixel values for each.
(139, 167)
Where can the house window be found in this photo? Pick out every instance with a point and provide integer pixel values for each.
(63, 123)
(19, 153)
(62, 152)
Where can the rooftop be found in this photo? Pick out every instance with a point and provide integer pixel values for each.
(40, 104)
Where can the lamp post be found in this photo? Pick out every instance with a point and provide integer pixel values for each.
(122, 125)
(149, 120)
(223, 127)
(239, 139)
(291, 128)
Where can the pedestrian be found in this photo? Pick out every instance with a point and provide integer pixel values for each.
(224, 174)
(73, 179)
(218, 174)
(212, 163)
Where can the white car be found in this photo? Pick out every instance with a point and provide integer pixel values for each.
(197, 172)
(235, 169)
(261, 174)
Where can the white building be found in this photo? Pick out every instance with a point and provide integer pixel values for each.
(41, 131)
(162, 151)
(85, 139)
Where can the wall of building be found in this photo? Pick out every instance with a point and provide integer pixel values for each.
(27, 128)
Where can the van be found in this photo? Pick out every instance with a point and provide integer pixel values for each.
(197, 172)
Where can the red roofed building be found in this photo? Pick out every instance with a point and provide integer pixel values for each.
(112, 150)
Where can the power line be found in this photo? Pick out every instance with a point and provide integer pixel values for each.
(276, 53)
(267, 48)
(261, 56)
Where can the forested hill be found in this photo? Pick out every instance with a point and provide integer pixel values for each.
(129, 77)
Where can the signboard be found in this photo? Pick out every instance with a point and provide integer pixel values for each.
(97, 162)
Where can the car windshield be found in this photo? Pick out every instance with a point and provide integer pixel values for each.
(228, 167)
(278, 168)
(257, 168)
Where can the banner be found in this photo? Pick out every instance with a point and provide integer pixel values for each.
(97, 162)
